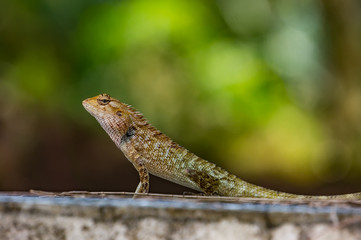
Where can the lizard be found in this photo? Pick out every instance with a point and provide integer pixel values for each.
(152, 152)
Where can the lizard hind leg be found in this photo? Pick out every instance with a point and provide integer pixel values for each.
(207, 183)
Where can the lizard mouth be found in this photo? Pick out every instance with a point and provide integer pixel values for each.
(85, 103)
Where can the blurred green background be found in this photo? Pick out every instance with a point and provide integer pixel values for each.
(269, 90)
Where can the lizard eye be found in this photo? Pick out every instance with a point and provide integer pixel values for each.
(119, 113)
(103, 101)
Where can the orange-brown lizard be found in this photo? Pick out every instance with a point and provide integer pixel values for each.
(151, 151)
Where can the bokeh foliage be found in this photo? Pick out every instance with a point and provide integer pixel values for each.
(267, 89)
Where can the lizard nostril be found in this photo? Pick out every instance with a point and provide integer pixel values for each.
(119, 113)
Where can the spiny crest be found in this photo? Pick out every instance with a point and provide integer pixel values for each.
(140, 120)
(136, 115)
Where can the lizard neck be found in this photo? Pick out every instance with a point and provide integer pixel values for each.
(129, 134)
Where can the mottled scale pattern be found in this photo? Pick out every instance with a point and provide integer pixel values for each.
(152, 151)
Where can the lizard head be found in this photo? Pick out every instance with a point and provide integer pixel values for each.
(113, 115)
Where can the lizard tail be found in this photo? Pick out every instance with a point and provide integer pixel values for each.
(245, 189)
(213, 180)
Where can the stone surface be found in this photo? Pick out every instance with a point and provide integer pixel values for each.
(89, 217)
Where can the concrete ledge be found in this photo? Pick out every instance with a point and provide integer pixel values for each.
(24, 216)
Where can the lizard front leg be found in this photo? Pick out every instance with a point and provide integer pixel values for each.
(143, 186)
(138, 162)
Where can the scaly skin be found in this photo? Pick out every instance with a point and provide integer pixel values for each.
(151, 151)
